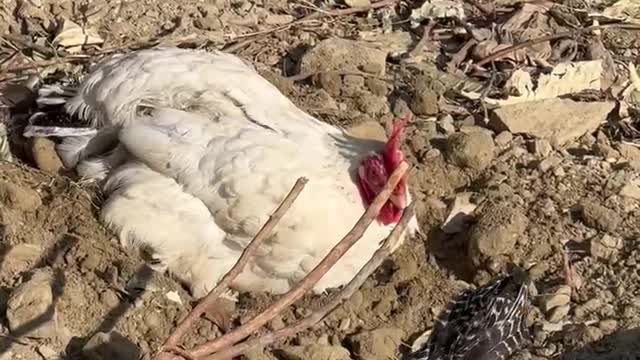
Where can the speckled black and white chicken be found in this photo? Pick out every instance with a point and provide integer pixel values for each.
(488, 323)
(195, 150)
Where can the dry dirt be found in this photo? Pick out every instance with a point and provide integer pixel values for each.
(536, 202)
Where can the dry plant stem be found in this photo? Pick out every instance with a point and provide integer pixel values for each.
(312, 277)
(226, 280)
(497, 55)
(346, 292)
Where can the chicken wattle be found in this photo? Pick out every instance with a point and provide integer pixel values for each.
(196, 150)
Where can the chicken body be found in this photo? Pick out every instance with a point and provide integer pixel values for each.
(488, 323)
(206, 150)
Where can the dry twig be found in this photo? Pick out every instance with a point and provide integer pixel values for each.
(172, 342)
(378, 257)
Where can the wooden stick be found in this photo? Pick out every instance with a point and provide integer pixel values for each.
(378, 257)
(226, 280)
(312, 277)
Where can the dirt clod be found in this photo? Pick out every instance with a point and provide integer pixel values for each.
(19, 198)
(378, 344)
(498, 229)
(474, 150)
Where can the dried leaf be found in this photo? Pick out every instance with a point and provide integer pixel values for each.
(72, 36)
(566, 78)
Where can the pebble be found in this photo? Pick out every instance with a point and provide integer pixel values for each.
(446, 124)
(608, 326)
(331, 82)
(109, 298)
(474, 150)
(45, 155)
(503, 139)
(558, 313)
(541, 148)
(560, 296)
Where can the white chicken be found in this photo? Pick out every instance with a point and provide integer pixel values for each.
(205, 150)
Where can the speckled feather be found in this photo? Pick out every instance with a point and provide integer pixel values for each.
(487, 323)
(209, 133)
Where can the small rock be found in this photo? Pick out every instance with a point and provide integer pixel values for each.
(321, 99)
(314, 351)
(47, 352)
(378, 344)
(90, 262)
(19, 258)
(400, 107)
(559, 296)
(608, 326)
(631, 191)
(19, 198)
(109, 298)
(209, 22)
(541, 148)
(558, 120)
(335, 54)
(473, 150)
(30, 309)
(372, 105)
(352, 85)
(108, 346)
(377, 86)
(497, 231)
(599, 217)
(605, 246)
(503, 139)
(549, 163)
(582, 311)
(45, 155)
(558, 313)
(593, 334)
(331, 82)
(424, 101)
(446, 124)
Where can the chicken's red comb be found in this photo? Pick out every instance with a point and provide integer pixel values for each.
(393, 134)
(392, 153)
